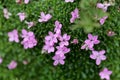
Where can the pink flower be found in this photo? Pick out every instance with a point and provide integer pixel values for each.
(1, 60)
(75, 41)
(26, 1)
(44, 18)
(105, 74)
(58, 27)
(69, 0)
(64, 40)
(18, 1)
(90, 42)
(22, 16)
(58, 60)
(102, 20)
(13, 36)
(103, 6)
(30, 24)
(12, 65)
(29, 40)
(6, 13)
(98, 56)
(75, 15)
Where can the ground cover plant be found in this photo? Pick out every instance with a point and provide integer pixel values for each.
(59, 40)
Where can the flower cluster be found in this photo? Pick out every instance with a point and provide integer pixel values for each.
(62, 47)
(29, 40)
(96, 55)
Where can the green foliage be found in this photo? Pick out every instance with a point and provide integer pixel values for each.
(89, 15)
(78, 65)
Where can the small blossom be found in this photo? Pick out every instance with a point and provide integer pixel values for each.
(111, 33)
(105, 74)
(30, 24)
(48, 48)
(44, 18)
(26, 1)
(62, 50)
(51, 38)
(1, 60)
(75, 41)
(58, 27)
(98, 56)
(103, 6)
(12, 65)
(58, 60)
(102, 20)
(90, 42)
(22, 16)
(75, 15)
(13, 36)
(6, 13)
(69, 0)
(64, 40)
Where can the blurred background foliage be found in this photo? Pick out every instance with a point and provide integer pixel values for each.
(78, 65)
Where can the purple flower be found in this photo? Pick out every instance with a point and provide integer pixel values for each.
(12, 65)
(44, 18)
(51, 38)
(29, 40)
(98, 56)
(75, 41)
(49, 48)
(58, 60)
(13, 36)
(75, 15)
(69, 0)
(105, 74)
(1, 60)
(102, 20)
(62, 50)
(30, 24)
(64, 40)
(58, 27)
(26, 1)
(6, 13)
(89, 43)
(103, 6)
(22, 16)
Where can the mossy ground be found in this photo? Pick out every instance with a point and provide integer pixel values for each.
(78, 65)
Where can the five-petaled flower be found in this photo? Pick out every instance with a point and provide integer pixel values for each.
(90, 42)
(75, 15)
(13, 36)
(44, 17)
(98, 56)
(58, 59)
(12, 65)
(105, 74)
(22, 16)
